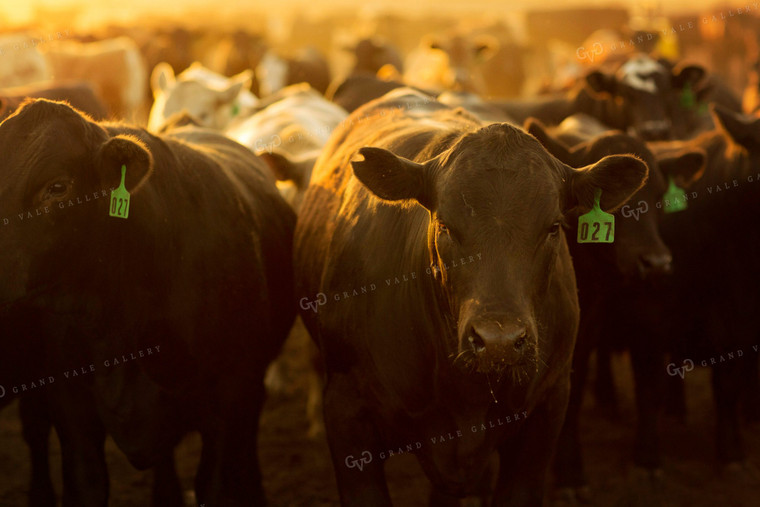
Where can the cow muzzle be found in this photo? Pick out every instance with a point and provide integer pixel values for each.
(495, 344)
(655, 265)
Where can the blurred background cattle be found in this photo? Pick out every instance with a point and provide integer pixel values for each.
(677, 84)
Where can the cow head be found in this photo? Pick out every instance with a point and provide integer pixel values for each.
(644, 90)
(209, 98)
(465, 55)
(638, 250)
(498, 199)
(742, 129)
(56, 160)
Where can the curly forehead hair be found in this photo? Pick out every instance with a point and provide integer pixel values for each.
(500, 143)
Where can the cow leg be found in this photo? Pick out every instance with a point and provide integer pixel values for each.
(649, 378)
(604, 384)
(751, 399)
(524, 464)
(352, 437)
(166, 490)
(36, 426)
(82, 437)
(726, 380)
(568, 462)
(229, 473)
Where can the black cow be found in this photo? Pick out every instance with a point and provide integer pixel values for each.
(604, 272)
(637, 98)
(80, 95)
(358, 89)
(179, 307)
(472, 318)
(715, 226)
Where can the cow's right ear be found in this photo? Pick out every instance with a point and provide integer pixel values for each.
(128, 151)
(553, 145)
(685, 167)
(391, 177)
(618, 177)
(161, 79)
(601, 82)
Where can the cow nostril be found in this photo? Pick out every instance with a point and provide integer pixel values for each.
(655, 264)
(477, 343)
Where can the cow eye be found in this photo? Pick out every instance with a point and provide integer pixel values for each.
(554, 230)
(443, 228)
(56, 189)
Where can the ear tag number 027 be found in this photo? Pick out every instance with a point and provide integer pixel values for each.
(596, 226)
(675, 199)
(120, 198)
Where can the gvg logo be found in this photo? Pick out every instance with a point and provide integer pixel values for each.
(583, 54)
(674, 370)
(628, 212)
(314, 305)
(364, 459)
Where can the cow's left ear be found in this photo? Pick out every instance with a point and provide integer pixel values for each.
(743, 129)
(601, 82)
(685, 167)
(129, 151)
(618, 177)
(485, 47)
(393, 178)
(690, 74)
(238, 83)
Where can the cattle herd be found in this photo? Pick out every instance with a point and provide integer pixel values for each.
(470, 220)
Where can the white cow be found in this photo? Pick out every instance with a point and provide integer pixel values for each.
(289, 135)
(114, 67)
(21, 62)
(213, 99)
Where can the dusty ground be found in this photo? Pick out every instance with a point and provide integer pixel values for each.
(297, 471)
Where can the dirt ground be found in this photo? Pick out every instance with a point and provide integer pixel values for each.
(297, 471)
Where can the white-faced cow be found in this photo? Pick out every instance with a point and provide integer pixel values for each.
(211, 98)
(179, 297)
(289, 135)
(431, 254)
(450, 63)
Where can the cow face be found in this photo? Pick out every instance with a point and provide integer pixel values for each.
(496, 197)
(212, 103)
(56, 161)
(743, 129)
(644, 90)
(638, 251)
(465, 57)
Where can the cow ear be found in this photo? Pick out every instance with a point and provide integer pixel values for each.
(391, 177)
(743, 129)
(288, 167)
(485, 47)
(432, 42)
(601, 82)
(553, 145)
(618, 177)
(162, 78)
(129, 151)
(684, 167)
(690, 74)
(237, 84)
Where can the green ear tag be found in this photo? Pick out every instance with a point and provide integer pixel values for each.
(596, 226)
(688, 99)
(120, 198)
(235, 109)
(674, 198)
